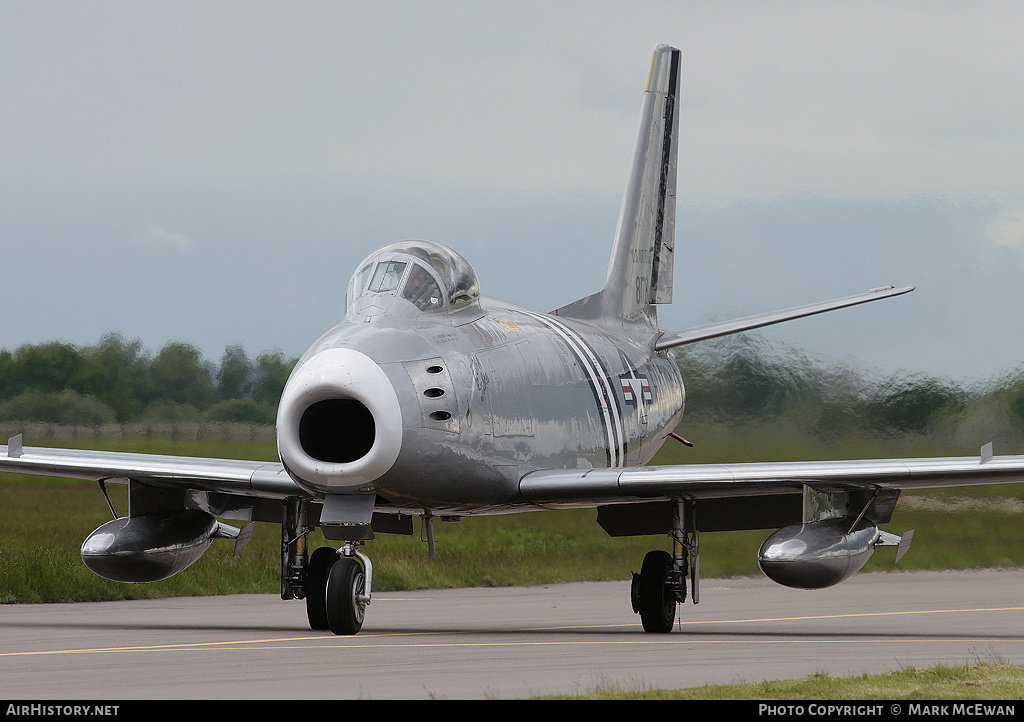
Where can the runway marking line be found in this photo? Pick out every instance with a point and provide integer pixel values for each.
(659, 639)
(853, 615)
(653, 639)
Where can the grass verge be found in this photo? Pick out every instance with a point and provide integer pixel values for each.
(971, 681)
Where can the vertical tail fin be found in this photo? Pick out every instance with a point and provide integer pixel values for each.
(641, 267)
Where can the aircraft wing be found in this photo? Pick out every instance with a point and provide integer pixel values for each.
(724, 328)
(247, 478)
(578, 487)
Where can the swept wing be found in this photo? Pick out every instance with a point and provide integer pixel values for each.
(576, 487)
(245, 478)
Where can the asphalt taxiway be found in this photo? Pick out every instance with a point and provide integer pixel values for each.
(506, 642)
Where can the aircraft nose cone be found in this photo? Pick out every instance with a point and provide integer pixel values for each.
(339, 425)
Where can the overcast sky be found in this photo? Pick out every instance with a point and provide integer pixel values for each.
(213, 172)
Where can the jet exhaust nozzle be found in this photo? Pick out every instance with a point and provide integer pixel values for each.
(339, 425)
(149, 548)
(817, 554)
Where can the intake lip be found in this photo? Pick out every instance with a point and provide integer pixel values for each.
(339, 425)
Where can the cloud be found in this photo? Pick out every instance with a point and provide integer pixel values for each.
(865, 99)
(161, 237)
(1007, 229)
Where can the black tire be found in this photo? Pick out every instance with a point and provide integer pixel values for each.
(656, 604)
(345, 585)
(317, 572)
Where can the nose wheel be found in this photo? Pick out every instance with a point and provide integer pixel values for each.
(317, 572)
(346, 596)
(338, 589)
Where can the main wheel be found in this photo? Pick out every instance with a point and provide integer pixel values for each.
(654, 601)
(345, 586)
(317, 571)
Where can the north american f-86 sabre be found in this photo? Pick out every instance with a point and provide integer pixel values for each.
(430, 399)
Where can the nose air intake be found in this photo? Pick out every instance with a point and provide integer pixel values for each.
(337, 430)
(339, 424)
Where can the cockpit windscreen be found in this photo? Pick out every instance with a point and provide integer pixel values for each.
(429, 275)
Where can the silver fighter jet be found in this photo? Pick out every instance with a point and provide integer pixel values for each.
(430, 399)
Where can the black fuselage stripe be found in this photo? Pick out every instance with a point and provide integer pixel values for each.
(600, 383)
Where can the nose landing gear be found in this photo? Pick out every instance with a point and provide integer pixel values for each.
(348, 591)
(336, 584)
(338, 588)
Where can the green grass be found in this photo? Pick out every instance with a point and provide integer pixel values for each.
(972, 681)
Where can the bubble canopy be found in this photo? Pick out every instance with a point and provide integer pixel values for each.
(428, 274)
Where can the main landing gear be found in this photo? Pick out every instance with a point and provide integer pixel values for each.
(661, 583)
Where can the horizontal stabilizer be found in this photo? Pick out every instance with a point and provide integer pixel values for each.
(725, 328)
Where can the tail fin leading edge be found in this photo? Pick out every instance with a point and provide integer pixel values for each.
(641, 267)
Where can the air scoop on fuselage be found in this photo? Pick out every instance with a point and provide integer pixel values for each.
(339, 424)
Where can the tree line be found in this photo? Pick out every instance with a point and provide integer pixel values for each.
(118, 381)
(744, 378)
(733, 380)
